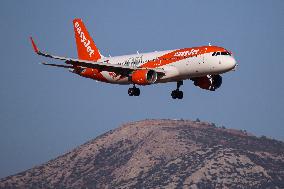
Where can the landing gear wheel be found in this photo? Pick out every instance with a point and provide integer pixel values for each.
(177, 94)
(180, 95)
(130, 91)
(134, 91)
(174, 94)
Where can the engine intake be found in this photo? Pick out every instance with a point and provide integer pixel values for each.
(209, 82)
(144, 77)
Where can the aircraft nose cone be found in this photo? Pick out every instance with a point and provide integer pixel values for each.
(231, 63)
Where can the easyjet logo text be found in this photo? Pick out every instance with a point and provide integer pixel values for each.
(84, 40)
(187, 53)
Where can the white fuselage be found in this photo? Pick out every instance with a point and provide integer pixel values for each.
(182, 64)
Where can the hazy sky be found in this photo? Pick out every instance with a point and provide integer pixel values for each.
(45, 111)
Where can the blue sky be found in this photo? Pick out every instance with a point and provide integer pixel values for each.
(46, 111)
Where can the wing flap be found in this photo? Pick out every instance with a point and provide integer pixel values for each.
(57, 65)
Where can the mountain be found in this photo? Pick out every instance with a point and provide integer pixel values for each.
(163, 154)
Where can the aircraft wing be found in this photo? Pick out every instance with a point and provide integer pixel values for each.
(102, 66)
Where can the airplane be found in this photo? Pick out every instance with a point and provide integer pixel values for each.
(203, 65)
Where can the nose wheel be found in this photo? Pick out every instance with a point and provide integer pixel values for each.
(134, 91)
(177, 94)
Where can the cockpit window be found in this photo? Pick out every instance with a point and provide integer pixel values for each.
(225, 53)
(221, 53)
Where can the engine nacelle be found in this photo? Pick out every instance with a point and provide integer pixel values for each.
(144, 77)
(209, 82)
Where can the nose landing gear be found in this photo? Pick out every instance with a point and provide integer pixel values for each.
(134, 91)
(177, 94)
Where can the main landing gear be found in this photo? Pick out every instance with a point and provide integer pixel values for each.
(177, 94)
(134, 91)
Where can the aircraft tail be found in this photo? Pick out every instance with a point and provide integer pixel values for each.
(86, 48)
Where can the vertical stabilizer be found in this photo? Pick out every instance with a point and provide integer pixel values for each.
(86, 48)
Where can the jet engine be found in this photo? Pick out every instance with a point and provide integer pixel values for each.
(209, 82)
(144, 77)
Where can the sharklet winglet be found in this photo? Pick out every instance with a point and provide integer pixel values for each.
(34, 46)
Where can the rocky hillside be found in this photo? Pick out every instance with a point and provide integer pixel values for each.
(163, 154)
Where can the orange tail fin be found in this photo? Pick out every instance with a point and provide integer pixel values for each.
(86, 47)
